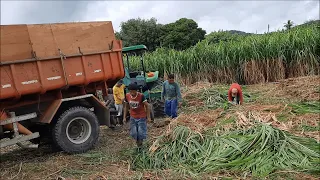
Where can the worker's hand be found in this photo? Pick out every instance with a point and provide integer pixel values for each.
(235, 103)
(149, 120)
(232, 103)
(124, 120)
(179, 104)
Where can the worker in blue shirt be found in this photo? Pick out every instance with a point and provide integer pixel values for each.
(172, 96)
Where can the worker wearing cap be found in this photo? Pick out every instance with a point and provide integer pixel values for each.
(139, 113)
(235, 93)
(118, 95)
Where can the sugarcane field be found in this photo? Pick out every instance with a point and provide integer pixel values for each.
(136, 99)
(275, 134)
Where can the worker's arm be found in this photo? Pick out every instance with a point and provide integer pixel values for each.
(123, 92)
(230, 95)
(147, 106)
(125, 109)
(241, 96)
(178, 92)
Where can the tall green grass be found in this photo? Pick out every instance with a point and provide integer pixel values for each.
(246, 59)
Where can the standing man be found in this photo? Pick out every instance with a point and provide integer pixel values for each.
(235, 93)
(172, 96)
(118, 95)
(139, 113)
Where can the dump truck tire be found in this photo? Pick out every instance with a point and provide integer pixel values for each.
(76, 131)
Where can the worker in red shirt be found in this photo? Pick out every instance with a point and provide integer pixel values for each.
(139, 113)
(235, 93)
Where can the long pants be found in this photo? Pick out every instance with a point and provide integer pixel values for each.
(119, 108)
(138, 128)
(171, 108)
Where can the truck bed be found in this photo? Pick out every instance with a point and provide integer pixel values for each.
(18, 41)
(44, 57)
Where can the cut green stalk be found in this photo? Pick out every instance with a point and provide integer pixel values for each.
(260, 150)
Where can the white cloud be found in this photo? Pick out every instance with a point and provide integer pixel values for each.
(248, 16)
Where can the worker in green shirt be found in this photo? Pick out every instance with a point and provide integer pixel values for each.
(172, 96)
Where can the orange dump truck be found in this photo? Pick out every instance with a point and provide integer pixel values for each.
(54, 83)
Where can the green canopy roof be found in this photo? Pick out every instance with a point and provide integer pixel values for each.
(134, 48)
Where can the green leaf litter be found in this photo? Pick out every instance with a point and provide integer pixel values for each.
(259, 151)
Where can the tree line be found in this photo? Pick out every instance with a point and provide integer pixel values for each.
(179, 35)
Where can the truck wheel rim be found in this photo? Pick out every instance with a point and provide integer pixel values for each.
(78, 130)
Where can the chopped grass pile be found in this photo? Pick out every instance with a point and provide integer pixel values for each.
(260, 151)
(306, 107)
(213, 98)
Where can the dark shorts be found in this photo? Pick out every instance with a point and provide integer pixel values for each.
(138, 128)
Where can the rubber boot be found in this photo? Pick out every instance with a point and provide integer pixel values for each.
(120, 120)
(113, 123)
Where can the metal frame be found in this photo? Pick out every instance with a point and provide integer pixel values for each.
(101, 110)
(137, 50)
(55, 57)
(16, 139)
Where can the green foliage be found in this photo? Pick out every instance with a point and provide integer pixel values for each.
(214, 99)
(282, 117)
(311, 128)
(306, 107)
(309, 23)
(288, 25)
(181, 34)
(223, 36)
(260, 151)
(231, 120)
(227, 61)
(140, 31)
(118, 36)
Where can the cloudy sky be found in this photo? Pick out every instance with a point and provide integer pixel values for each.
(249, 16)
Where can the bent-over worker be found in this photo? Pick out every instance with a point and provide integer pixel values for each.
(235, 93)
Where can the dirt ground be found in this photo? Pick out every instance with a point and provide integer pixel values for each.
(268, 103)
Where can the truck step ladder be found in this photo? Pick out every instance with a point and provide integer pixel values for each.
(16, 138)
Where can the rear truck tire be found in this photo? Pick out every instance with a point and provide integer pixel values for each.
(76, 131)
